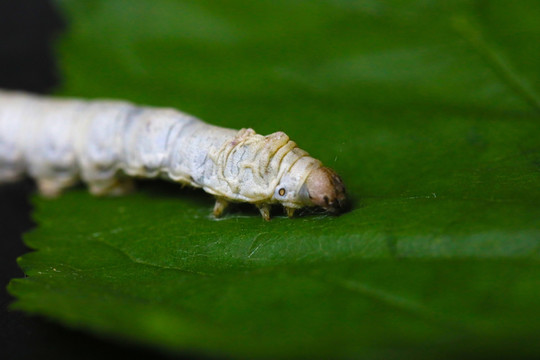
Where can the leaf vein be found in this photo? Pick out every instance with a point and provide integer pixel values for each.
(400, 303)
(145, 263)
(496, 61)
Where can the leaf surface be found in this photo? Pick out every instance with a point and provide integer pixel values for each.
(429, 111)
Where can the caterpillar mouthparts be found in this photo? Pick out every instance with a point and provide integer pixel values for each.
(326, 190)
(106, 144)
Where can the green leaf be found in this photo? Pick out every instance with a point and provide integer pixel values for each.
(429, 111)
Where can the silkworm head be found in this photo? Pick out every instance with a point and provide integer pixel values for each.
(325, 189)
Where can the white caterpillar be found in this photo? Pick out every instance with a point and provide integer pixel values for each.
(103, 143)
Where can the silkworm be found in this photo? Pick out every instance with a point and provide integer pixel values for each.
(106, 144)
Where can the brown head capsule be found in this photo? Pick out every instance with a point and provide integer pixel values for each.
(324, 188)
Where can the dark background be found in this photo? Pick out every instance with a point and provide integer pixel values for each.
(28, 29)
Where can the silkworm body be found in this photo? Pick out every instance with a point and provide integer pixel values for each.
(104, 143)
